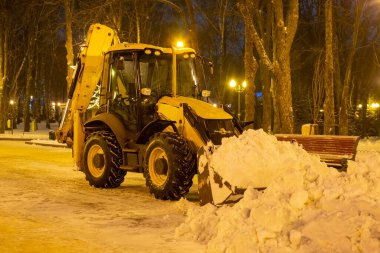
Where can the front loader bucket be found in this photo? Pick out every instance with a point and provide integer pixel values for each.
(211, 186)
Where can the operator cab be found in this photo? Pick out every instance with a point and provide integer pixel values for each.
(138, 77)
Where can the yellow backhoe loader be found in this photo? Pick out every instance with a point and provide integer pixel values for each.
(143, 108)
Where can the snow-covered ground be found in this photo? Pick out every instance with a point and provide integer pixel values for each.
(48, 207)
(41, 133)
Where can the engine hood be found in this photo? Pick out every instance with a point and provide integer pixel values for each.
(201, 108)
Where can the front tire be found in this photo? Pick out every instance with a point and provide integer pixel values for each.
(102, 159)
(169, 166)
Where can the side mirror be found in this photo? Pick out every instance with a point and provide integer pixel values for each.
(211, 66)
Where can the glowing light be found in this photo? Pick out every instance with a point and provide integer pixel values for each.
(53, 103)
(360, 106)
(12, 102)
(232, 83)
(375, 105)
(215, 105)
(59, 104)
(180, 44)
(244, 84)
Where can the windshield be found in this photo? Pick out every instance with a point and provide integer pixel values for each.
(156, 73)
(134, 71)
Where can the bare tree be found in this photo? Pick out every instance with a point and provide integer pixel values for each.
(218, 26)
(2, 68)
(32, 19)
(329, 115)
(69, 12)
(286, 20)
(10, 52)
(250, 62)
(318, 89)
(344, 106)
(266, 78)
(192, 25)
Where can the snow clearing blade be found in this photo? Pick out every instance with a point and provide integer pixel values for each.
(212, 188)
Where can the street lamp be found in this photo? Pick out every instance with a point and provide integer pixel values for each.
(239, 88)
(11, 115)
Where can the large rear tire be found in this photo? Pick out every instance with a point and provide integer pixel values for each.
(102, 160)
(169, 166)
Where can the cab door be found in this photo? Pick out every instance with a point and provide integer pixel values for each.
(123, 89)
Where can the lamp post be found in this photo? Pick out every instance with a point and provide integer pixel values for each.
(239, 88)
(11, 102)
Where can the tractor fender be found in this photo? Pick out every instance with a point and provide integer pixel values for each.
(114, 123)
(153, 127)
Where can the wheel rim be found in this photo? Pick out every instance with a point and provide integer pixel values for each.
(158, 166)
(96, 160)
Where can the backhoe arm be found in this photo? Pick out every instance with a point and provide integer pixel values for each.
(85, 79)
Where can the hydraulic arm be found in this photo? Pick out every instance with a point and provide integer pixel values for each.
(83, 84)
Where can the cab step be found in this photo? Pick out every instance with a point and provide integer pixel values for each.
(131, 160)
(131, 168)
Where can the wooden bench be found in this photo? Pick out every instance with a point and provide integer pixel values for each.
(332, 149)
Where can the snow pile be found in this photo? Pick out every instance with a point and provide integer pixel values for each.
(369, 144)
(255, 158)
(306, 208)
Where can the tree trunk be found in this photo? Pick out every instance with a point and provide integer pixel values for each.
(192, 25)
(138, 32)
(29, 83)
(4, 82)
(250, 67)
(266, 78)
(47, 90)
(35, 101)
(250, 62)
(14, 86)
(329, 118)
(345, 99)
(276, 112)
(337, 75)
(117, 16)
(69, 9)
(30, 72)
(222, 48)
(285, 32)
(267, 98)
(317, 88)
(2, 102)
(363, 112)
(284, 95)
